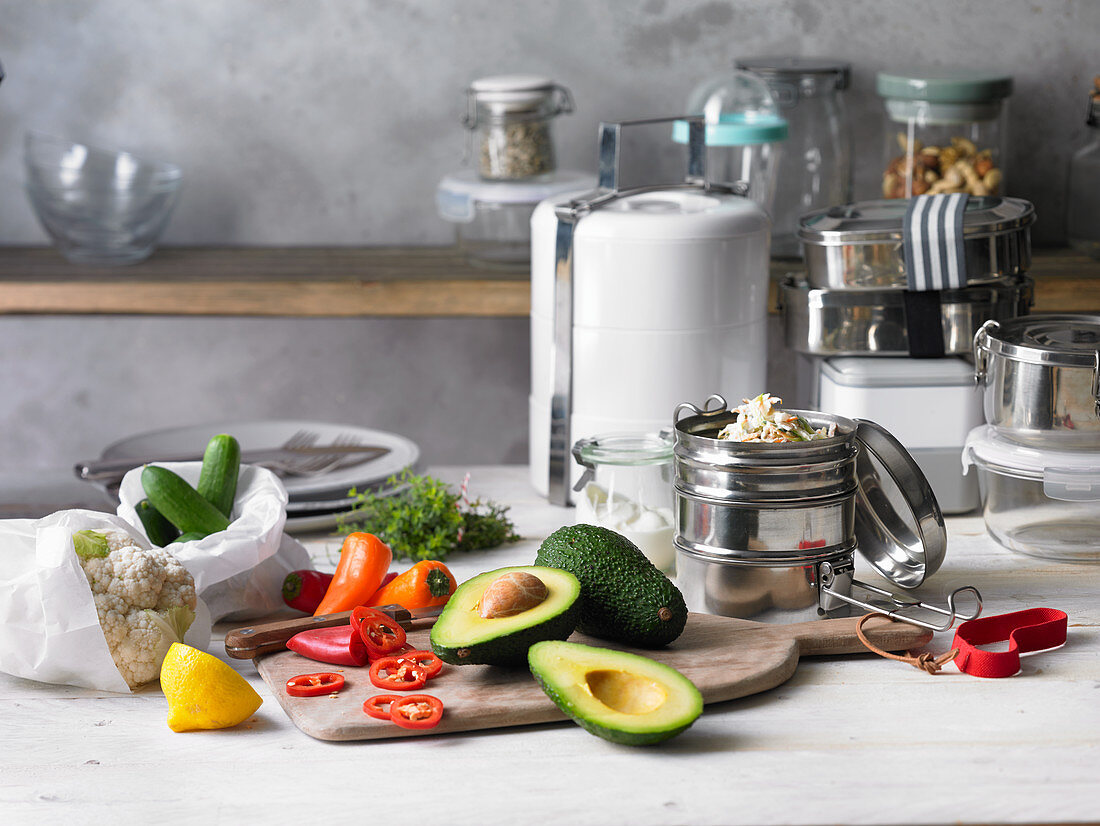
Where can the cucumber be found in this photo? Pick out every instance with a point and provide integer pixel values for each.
(189, 537)
(159, 530)
(221, 463)
(180, 503)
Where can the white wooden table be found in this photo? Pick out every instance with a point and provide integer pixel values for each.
(848, 740)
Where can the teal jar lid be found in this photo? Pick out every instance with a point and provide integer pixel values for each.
(737, 129)
(944, 86)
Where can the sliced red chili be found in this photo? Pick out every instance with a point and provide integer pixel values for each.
(373, 706)
(397, 674)
(426, 660)
(313, 685)
(381, 634)
(417, 711)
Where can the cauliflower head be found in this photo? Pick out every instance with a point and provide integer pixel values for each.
(145, 600)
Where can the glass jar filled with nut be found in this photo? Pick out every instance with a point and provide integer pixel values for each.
(945, 132)
(511, 120)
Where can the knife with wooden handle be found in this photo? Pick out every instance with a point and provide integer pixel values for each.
(251, 641)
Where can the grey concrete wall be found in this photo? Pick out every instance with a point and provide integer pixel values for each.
(330, 122)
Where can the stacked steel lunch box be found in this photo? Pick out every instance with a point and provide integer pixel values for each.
(851, 300)
(1038, 456)
(769, 531)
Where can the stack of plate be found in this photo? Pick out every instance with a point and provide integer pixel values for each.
(316, 502)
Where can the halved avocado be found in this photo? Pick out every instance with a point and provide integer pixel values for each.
(621, 697)
(461, 636)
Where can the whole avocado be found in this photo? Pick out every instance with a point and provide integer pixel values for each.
(624, 597)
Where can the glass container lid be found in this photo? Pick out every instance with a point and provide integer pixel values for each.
(789, 69)
(739, 110)
(943, 96)
(873, 222)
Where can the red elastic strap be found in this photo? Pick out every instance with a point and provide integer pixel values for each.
(1031, 630)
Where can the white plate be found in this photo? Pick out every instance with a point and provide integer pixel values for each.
(256, 435)
(311, 523)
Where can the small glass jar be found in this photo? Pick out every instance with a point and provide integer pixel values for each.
(1083, 192)
(815, 169)
(511, 119)
(945, 132)
(744, 132)
(627, 487)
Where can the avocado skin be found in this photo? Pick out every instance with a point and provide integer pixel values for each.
(621, 590)
(511, 650)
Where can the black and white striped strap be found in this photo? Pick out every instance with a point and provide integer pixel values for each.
(935, 258)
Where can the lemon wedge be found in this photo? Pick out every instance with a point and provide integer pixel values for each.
(203, 692)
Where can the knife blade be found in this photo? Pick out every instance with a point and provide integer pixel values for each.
(251, 641)
(98, 470)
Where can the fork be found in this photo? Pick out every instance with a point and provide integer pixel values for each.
(313, 465)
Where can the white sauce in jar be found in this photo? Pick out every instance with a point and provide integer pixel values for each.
(648, 528)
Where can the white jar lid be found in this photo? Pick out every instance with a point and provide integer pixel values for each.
(512, 89)
(458, 194)
(1069, 475)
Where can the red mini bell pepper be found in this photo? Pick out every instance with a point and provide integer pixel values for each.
(314, 685)
(339, 645)
(417, 711)
(304, 590)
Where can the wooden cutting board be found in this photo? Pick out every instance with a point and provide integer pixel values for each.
(725, 658)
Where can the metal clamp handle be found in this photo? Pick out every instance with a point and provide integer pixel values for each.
(706, 410)
(981, 360)
(1096, 385)
(896, 605)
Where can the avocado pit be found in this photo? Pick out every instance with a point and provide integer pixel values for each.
(511, 594)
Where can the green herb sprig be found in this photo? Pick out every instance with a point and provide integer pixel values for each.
(426, 519)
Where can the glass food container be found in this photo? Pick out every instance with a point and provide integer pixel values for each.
(511, 119)
(815, 168)
(945, 132)
(492, 219)
(1037, 501)
(744, 132)
(1083, 209)
(627, 487)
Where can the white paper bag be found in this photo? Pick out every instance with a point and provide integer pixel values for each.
(49, 629)
(239, 571)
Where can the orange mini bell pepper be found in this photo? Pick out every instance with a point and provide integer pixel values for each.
(364, 560)
(424, 585)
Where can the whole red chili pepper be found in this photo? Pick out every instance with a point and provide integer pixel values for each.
(339, 645)
(304, 590)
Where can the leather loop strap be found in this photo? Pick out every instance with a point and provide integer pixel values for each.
(1034, 629)
(925, 662)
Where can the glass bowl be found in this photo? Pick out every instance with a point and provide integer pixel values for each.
(98, 206)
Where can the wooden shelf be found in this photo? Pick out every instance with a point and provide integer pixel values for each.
(249, 281)
(351, 281)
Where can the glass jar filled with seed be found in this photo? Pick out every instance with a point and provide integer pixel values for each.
(511, 120)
